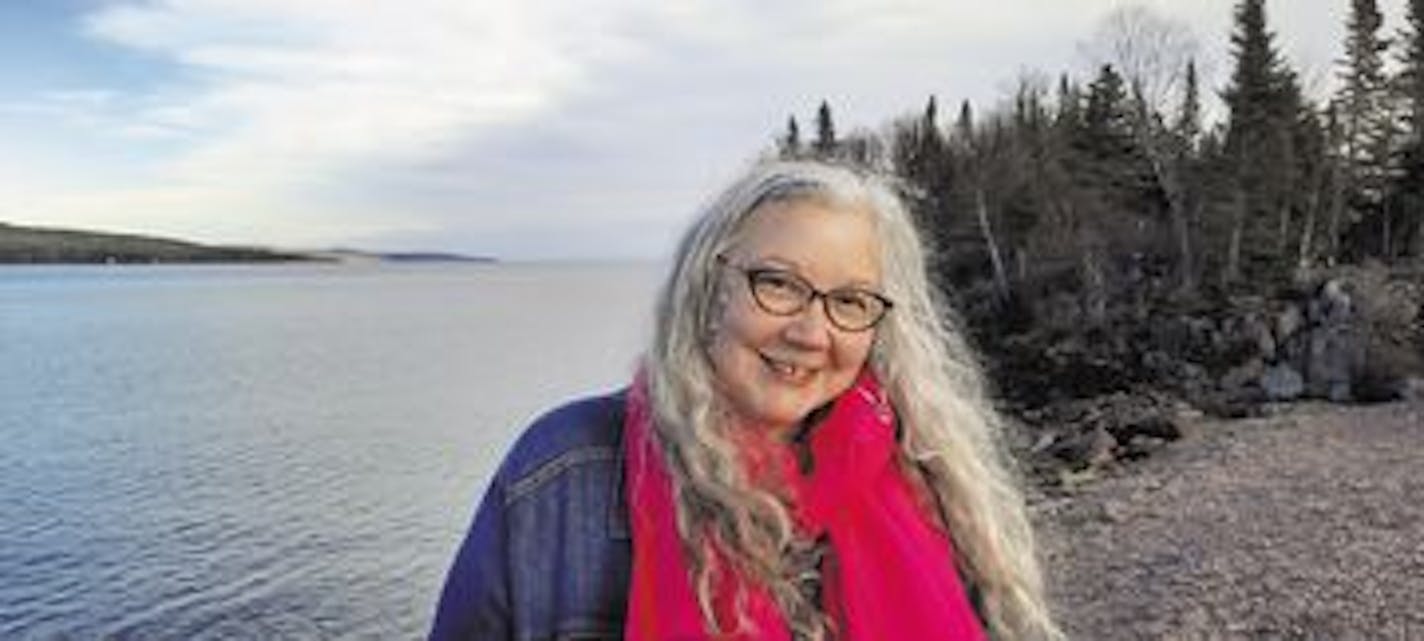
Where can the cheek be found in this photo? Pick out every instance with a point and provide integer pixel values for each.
(738, 325)
(854, 353)
(729, 343)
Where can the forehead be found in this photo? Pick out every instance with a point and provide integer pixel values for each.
(834, 244)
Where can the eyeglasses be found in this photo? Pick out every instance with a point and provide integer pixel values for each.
(783, 293)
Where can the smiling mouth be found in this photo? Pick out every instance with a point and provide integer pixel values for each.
(794, 374)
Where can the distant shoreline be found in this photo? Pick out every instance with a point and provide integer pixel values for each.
(361, 256)
(22, 245)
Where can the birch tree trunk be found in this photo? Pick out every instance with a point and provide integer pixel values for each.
(1307, 232)
(981, 209)
(1233, 247)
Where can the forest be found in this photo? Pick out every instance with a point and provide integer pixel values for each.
(1126, 252)
(34, 245)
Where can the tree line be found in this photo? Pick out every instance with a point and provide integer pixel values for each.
(24, 245)
(1119, 182)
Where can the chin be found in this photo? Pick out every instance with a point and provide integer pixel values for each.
(784, 417)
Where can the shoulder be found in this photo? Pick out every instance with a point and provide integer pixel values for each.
(584, 431)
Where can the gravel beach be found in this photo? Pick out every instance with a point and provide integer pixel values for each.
(1304, 525)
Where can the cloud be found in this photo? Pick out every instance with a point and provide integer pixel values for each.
(469, 122)
(325, 80)
(279, 103)
(312, 83)
(524, 115)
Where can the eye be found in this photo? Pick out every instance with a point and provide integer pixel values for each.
(853, 302)
(778, 283)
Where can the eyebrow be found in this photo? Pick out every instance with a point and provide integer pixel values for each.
(795, 268)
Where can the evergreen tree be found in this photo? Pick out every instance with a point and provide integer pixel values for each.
(1028, 176)
(975, 154)
(789, 145)
(1263, 100)
(920, 155)
(1119, 190)
(1110, 158)
(964, 127)
(1411, 74)
(1069, 105)
(825, 144)
(862, 148)
(1367, 119)
(1189, 127)
(1107, 123)
(1407, 201)
(1407, 192)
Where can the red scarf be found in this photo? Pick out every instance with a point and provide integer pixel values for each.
(892, 573)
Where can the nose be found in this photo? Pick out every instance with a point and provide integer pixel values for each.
(811, 328)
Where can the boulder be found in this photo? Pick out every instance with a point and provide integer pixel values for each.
(1289, 321)
(1412, 389)
(1092, 448)
(1281, 382)
(1239, 380)
(1330, 362)
(1258, 332)
(1337, 306)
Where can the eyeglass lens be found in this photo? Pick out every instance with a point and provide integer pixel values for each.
(781, 292)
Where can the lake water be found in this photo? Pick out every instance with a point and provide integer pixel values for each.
(273, 452)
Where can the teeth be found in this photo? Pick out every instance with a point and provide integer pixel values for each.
(786, 370)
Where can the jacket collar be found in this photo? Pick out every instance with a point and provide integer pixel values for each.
(618, 527)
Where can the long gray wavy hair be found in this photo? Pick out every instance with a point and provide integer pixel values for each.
(950, 436)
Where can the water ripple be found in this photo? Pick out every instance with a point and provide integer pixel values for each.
(289, 453)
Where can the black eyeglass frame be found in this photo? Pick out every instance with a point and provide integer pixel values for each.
(752, 273)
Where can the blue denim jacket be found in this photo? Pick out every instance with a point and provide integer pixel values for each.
(549, 554)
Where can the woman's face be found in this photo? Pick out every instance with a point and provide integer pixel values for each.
(773, 370)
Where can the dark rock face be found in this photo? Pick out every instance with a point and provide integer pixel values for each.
(1095, 392)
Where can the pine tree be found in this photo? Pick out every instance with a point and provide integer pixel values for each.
(1069, 104)
(1263, 101)
(1111, 155)
(1367, 119)
(974, 158)
(1411, 74)
(1107, 124)
(825, 144)
(789, 145)
(1407, 190)
(1028, 176)
(1189, 127)
(964, 126)
(1119, 187)
(930, 148)
(920, 155)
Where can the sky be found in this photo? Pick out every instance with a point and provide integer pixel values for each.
(554, 129)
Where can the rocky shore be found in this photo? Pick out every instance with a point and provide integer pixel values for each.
(1222, 465)
(1095, 391)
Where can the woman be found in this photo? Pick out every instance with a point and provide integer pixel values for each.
(806, 453)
